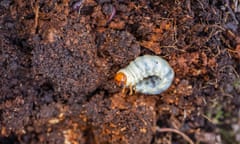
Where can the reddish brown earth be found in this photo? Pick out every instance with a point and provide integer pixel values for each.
(58, 60)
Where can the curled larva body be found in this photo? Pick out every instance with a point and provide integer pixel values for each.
(147, 74)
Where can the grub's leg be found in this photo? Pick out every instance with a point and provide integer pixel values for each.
(124, 89)
(131, 90)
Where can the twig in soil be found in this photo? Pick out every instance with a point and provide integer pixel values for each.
(231, 12)
(230, 66)
(210, 51)
(201, 4)
(174, 47)
(175, 131)
(213, 32)
(207, 118)
(113, 13)
(225, 94)
(233, 51)
(188, 4)
(174, 37)
(216, 26)
(36, 10)
(78, 5)
(237, 6)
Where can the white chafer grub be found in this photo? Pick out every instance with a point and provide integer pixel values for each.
(148, 74)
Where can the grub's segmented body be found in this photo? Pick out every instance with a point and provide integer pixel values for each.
(148, 74)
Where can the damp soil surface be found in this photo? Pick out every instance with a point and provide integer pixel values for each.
(58, 60)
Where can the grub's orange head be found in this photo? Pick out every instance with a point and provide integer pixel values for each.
(120, 79)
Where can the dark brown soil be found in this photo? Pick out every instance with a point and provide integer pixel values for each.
(58, 59)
